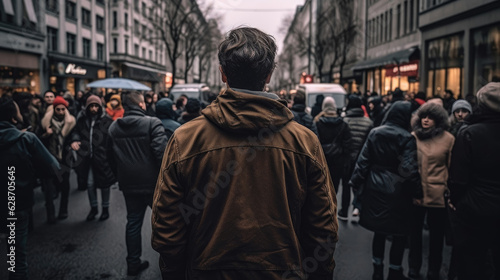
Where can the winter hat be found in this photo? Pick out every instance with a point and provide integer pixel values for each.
(354, 102)
(60, 101)
(329, 104)
(93, 99)
(397, 94)
(489, 97)
(461, 104)
(193, 105)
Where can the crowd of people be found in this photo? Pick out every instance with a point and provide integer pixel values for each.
(408, 161)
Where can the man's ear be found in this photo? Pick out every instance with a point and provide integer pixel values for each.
(142, 104)
(223, 76)
(268, 79)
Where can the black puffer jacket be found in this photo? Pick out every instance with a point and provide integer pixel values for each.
(29, 158)
(301, 116)
(386, 174)
(333, 130)
(360, 127)
(94, 143)
(166, 114)
(474, 180)
(137, 146)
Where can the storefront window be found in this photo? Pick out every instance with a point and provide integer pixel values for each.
(445, 61)
(18, 79)
(486, 56)
(70, 84)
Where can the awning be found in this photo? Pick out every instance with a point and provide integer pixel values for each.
(398, 57)
(7, 5)
(143, 73)
(30, 10)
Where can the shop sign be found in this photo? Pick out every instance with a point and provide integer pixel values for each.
(75, 70)
(406, 69)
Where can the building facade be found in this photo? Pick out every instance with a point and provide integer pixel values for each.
(22, 46)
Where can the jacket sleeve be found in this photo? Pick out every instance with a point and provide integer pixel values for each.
(158, 139)
(44, 162)
(346, 143)
(169, 228)
(319, 227)
(360, 172)
(409, 167)
(460, 167)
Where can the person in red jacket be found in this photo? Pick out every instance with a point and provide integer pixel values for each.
(114, 107)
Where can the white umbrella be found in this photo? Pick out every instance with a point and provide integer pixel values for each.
(118, 83)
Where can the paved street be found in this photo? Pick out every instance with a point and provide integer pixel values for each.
(77, 249)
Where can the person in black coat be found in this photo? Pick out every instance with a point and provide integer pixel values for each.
(24, 158)
(136, 152)
(299, 111)
(317, 107)
(165, 112)
(474, 185)
(386, 177)
(90, 140)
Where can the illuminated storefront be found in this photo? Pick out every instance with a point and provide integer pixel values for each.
(486, 55)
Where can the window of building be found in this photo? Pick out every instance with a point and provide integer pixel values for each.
(70, 10)
(368, 33)
(137, 28)
(382, 28)
(100, 52)
(52, 39)
(431, 4)
(445, 59)
(144, 31)
(86, 48)
(126, 21)
(405, 18)
(126, 46)
(151, 35)
(150, 55)
(99, 23)
(115, 19)
(86, 17)
(411, 15)
(144, 52)
(52, 6)
(70, 43)
(398, 21)
(136, 5)
(136, 49)
(144, 9)
(390, 25)
(485, 56)
(100, 2)
(115, 45)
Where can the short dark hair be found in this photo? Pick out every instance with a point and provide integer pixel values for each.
(8, 108)
(300, 97)
(247, 58)
(132, 99)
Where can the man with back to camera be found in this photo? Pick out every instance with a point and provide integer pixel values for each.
(137, 145)
(261, 204)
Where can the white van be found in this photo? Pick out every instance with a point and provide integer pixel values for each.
(190, 90)
(333, 90)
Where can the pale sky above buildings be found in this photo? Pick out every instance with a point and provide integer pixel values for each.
(266, 15)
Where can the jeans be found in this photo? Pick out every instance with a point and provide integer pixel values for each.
(21, 249)
(136, 207)
(51, 186)
(436, 219)
(92, 192)
(397, 250)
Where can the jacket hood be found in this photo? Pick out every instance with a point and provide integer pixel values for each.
(399, 114)
(435, 112)
(331, 120)
(240, 112)
(355, 112)
(164, 109)
(8, 134)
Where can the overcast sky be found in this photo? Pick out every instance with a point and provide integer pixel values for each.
(266, 15)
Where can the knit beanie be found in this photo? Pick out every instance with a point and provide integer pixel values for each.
(329, 104)
(93, 99)
(60, 101)
(193, 105)
(354, 101)
(461, 104)
(489, 97)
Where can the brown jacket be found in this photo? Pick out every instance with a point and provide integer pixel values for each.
(434, 156)
(244, 192)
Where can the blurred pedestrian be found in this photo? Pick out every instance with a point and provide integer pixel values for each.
(434, 144)
(57, 125)
(150, 105)
(475, 190)
(376, 110)
(299, 111)
(192, 111)
(24, 158)
(386, 179)
(261, 202)
(360, 126)
(335, 137)
(114, 107)
(317, 107)
(460, 111)
(448, 100)
(90, 140)
(137, 146)
(165, 112)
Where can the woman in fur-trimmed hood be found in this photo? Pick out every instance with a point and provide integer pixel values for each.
(434, 145)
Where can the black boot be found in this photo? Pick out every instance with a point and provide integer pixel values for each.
(378, 272)
(92, 214)
(134, 271)
(105, 214)
(396, 274)
(51, 216)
